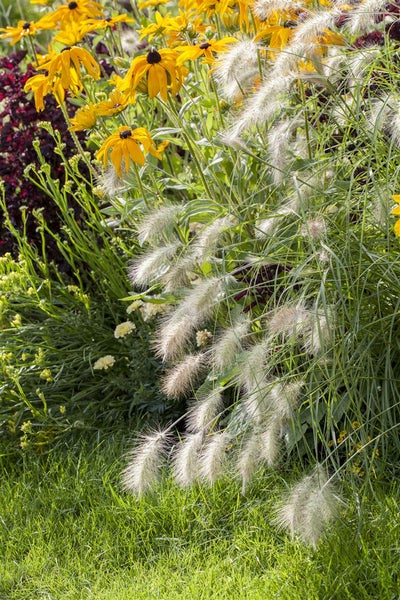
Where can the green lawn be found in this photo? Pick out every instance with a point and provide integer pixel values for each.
(69, 532)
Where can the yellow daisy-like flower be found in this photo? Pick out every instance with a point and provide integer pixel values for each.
(85, 118)
(396, 212)
(66, 67)
(279, 37)
(205, 49)
(115, 103)
(125, 146)
(15, 34)
(158, 69)
(40, 86)
(66, 15)
(212, 7)
(150, 3)
(103, 23)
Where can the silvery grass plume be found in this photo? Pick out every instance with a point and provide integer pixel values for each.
(159, 224)
(384, 116)
(320, 335)
(268, 226)
(314, 229)
(214, 456)
(253, 378)
(109, 182)
(280, 140)
(365, 16)
(145, 462)
(205, 410)
(196, 307)
(208, 239)
(152, 265)
(249, 459)
(236, 69)
(186, 459)
(271, 97)
(130, 41)
(289, 320)
(180, 379)
(264, 8)
(181, 273)
(271, 442)
(358, 64)
(229, 344)
(312, 503)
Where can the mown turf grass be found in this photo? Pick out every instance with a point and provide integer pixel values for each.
(68, 531)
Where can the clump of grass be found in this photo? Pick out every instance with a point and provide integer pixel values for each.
(204, 542)
(262, 219)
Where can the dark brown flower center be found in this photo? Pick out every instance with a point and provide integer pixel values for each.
(204, 46)
(125, 134)
(26, 25)
(153, 57)
(72, 5)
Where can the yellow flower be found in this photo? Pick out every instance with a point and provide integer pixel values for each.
(66, 68)
(15, 34)
(104, 362)
(173, 28)
(46, 375)
(279, 37)
(212, 7)
(396, 212)
(158, 69)
(65, 16)
(115, 103)
(204, 49)
(103, 23)
(124, 329)
(85, 118)
(126, 145)
(149, 3)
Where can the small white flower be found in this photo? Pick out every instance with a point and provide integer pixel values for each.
(104, 363)
(124, 329)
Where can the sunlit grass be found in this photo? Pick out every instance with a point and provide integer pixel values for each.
(68, 531)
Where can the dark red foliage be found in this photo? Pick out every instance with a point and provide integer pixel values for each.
(18, 128)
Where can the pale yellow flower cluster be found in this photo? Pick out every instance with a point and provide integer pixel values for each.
(104, 363)
(124, 329)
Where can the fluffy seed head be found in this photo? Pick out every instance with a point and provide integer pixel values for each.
(186, 459)
(229, 344)
(312, 503)
(205, 410)
(214, 456)
(249, 459)
(152, 265)
(158, 224)
(365, 16)
(179, 380)
(289, 320)
(145, 461)
(235, 70)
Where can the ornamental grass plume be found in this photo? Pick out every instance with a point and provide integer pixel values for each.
(230, 343)
(186, 462)
(159, 225)
(249, 459)
(204, 411)
(180, 380)
(235, 70)
(365, 16)
(145, 462)
(152, 265)
(311, 504)
(214, 456)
